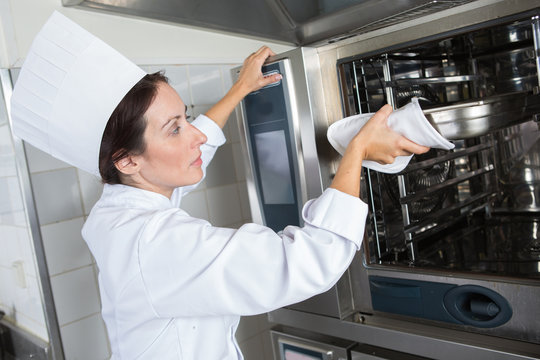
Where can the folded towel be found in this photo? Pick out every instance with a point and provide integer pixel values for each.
(408, 121)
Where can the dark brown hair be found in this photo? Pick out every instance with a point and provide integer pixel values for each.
(124, 133)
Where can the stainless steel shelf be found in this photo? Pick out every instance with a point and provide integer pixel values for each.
(433, 80)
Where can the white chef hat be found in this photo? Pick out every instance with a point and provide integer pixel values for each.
(67, 89)
(408, 120)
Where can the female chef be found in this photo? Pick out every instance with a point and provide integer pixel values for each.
(174, 286)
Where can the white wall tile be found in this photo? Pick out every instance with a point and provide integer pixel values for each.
(248, 327)
(264, 324)
(234, 131)
(197, 110)
(28, 300)
(236, 225)
(75, 294)
(41, 161)
(22, 304)
(18, 208)
(91, 189)
(226, 132)
(239, 162)
(38, 329)
(7, 291)
(220, 171)
(9, 244)
(224, 205)
(201, 185)
(7, 154)
(195, 204)
(178, 79)
(16, 246)
(244, 201)
(11, 202)
(65, 248)
(253, 337)
(252, 348)
(3, 113)
(227, 76)
(27, 251)
(206, 84)
(57, 195)
(85, 339)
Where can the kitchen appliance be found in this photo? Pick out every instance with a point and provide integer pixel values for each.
(466, 220)
(294, 344)
(450, 264)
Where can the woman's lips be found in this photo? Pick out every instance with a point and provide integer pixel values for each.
(197, 162)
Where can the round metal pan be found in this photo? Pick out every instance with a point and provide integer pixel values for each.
(474, 118)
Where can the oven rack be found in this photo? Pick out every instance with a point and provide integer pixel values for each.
(462, 205)
(432, 80)
(451, 155)
(432, 224)
(407, 199)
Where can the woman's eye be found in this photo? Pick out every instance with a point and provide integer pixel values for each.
(176, 130)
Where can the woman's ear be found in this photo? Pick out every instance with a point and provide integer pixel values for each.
(128, 165)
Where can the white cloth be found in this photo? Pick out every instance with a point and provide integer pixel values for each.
(67, 89)
(174, 287)
(408, 121)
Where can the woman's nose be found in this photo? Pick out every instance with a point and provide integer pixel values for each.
(199, 136)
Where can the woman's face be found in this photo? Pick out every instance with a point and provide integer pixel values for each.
(172, 157)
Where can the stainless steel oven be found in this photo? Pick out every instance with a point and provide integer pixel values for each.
(451, 260)
(453, 238)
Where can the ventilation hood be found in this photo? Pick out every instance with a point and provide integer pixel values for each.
(298, 22)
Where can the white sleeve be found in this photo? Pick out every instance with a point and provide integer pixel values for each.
(215, 138)
(190, 268)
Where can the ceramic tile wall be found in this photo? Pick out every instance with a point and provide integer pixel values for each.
(20, 296)
(64, 196)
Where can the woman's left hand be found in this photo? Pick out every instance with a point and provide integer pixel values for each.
(251, 77)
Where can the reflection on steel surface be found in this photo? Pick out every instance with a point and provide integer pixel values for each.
(474, 118)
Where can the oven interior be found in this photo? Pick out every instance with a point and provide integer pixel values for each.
(475, 208)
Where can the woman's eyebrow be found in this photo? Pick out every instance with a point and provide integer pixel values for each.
(175, 117)
(171, 119)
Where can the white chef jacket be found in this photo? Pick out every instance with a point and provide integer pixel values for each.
(174, 287)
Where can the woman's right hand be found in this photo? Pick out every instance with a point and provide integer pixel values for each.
(376, 142)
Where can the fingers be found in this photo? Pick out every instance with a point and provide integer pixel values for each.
(409, 147)
(264, 51)
(382, 114)
(251, 77)
(384, 111)
(267, 80)
(260, 55)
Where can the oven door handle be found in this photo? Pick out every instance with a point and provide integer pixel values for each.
(395, 290)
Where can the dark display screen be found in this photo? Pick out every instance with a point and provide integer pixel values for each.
(274, 167)
(291, 352)
(269, 129)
